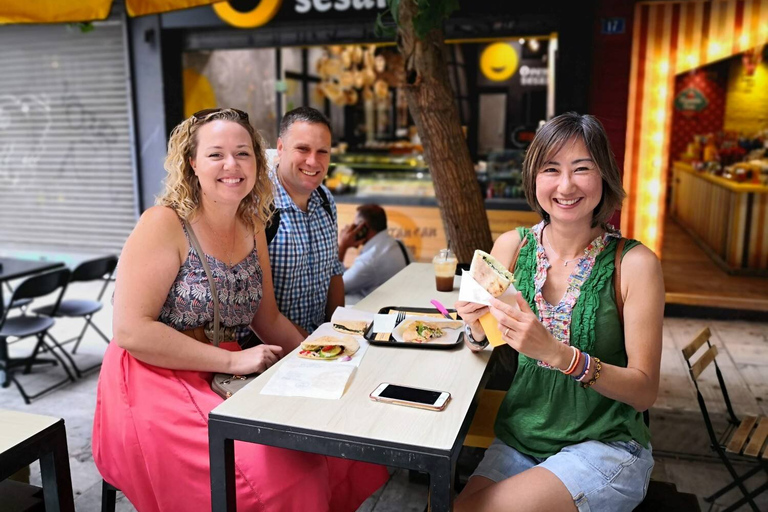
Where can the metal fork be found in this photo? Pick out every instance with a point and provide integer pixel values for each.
(400, 318)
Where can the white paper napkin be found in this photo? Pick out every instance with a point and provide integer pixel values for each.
(384, 323)
(316, 378)
(303, 377)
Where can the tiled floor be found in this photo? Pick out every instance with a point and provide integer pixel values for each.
(681, 446)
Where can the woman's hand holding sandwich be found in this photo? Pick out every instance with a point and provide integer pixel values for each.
(522, 330)
(471, 312)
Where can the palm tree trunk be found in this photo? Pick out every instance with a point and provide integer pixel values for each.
(433, 108)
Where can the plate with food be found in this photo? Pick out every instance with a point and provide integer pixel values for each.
(421, 328)
(427, 330)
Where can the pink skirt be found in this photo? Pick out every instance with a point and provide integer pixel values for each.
(150, 440)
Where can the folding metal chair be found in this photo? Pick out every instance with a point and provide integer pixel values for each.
(25, 326)
(21, 303)
(743, 438)
(92, 270)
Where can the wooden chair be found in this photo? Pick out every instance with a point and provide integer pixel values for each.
(480, 434)
(745, 437)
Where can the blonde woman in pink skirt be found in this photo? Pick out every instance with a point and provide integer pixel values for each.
(150, 433)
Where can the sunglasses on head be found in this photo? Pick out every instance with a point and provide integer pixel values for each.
(200, 115)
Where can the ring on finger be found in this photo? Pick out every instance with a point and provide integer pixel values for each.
(506, 332)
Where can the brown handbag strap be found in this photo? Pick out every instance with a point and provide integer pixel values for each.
(214, 294)
(617, 279)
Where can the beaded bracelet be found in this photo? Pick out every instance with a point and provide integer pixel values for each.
(584, 372)
(574, 361)
(596, 376)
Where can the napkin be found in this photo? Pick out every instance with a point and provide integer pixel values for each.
(316, 378)
(471, 291)
(313, 379)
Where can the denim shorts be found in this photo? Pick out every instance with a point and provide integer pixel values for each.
(600, 476)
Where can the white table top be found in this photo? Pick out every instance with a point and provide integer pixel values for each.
(17, 427)
(457, 371)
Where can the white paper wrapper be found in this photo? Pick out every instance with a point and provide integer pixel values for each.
(471, 291)
(449, 338)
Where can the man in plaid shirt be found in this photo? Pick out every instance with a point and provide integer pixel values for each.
(306, 271)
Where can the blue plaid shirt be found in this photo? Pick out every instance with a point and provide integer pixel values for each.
(304, 255)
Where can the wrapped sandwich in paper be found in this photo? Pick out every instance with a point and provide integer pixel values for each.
(487, 279)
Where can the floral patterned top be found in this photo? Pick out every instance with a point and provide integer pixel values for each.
(189, 304)
(557, 318)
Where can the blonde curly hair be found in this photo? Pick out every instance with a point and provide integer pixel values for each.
(182, 187)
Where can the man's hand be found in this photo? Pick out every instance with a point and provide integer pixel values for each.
(349, 238)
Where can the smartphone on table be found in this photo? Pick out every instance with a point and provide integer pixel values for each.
(411, 397)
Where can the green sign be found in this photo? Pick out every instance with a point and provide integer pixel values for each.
(691, 99)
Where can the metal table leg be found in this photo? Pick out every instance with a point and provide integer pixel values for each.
(54, 469)
(222, 453)
(441, 485)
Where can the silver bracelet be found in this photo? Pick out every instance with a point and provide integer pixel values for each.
(472, 341)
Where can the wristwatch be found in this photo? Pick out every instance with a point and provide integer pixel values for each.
(472, 341)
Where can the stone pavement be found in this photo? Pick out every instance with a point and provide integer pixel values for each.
(680, 442)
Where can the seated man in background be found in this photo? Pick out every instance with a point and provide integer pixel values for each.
(380, 258)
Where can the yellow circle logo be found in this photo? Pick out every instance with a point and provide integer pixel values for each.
(261, 12)
(498, 62)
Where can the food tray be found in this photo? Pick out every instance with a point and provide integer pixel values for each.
(369, 335)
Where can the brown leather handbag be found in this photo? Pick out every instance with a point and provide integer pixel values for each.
(223, 384)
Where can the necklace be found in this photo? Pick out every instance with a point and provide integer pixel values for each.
(232, 245)
(565, 262)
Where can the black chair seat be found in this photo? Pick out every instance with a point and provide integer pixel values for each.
(22, 326)
(73, 307)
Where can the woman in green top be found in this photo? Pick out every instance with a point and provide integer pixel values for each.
(570, 432)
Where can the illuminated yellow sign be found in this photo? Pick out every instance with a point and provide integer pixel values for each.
(260, 14)
(498, 62)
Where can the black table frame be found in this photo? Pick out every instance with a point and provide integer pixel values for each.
(223, 431)
(50, 447)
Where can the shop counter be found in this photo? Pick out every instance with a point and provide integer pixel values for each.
(728, 219)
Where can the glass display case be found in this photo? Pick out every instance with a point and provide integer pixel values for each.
(388, 178)
(368, 175)
(502, 174)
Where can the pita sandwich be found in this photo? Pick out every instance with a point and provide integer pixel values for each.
(419, 331)
(351, 326)
(328, 348)
(490, 274)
